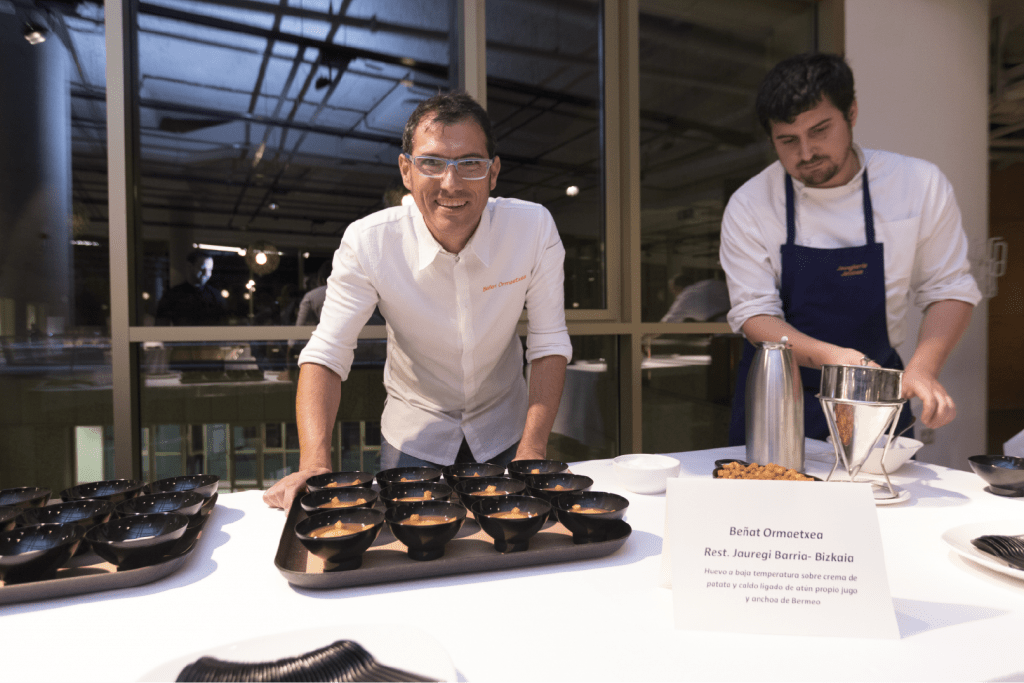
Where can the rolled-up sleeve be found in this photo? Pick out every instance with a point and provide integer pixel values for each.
(350, 300)
(753, 275)
(547, 334)
(942, 269)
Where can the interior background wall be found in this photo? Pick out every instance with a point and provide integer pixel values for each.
(922, 72)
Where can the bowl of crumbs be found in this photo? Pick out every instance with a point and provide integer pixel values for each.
(590, 515)
(740, 469)
(334, 499)
(340, 537)
(511, 520)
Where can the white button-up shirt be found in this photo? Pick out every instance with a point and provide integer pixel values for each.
(916, 218)
(455, 362)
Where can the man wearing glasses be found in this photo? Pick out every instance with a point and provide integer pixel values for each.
(451, 274)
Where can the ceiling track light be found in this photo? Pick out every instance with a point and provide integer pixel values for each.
(34, 34)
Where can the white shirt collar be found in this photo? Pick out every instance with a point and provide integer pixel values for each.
(852, 184)
(479, 244)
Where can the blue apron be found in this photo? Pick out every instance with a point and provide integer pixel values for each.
(835, 295)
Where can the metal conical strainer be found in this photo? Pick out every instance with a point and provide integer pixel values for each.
(860, 403)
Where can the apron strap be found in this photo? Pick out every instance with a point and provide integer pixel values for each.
(790, 212)
(869, 214)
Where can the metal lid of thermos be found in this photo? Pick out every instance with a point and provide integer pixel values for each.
(775, 407)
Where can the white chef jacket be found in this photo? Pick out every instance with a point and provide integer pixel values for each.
(916, 218)
(455, 362)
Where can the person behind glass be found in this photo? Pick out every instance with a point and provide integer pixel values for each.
(194, 301)
(703, 301)
(451, 273)
(827, 246)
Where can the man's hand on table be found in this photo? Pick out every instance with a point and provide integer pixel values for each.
(283, 493)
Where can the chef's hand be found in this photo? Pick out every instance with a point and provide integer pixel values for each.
(938, 408)
(283, 493)
(525, 452)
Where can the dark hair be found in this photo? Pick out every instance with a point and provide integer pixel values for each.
(197, 256)
(447, 108)
(799, 83)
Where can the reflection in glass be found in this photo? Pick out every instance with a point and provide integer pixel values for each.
(545, 100)
(687, 386)
(699, 136)
(263, 134)
(587, 424)
(229, 409)
(55, 372)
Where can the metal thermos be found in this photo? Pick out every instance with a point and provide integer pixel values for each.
(775, 407)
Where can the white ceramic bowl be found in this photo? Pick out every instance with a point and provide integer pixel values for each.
(645, 472)
(902, 450)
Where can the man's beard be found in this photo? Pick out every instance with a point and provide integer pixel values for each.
(819, 170)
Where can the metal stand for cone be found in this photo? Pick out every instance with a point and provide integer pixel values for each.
(855, 427)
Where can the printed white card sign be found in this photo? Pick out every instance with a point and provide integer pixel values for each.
(777, 557)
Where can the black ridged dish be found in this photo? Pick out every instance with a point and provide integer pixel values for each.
(9, 517)
(344, 660)
(32, 553)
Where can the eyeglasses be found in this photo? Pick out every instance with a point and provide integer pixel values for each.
(436, 167)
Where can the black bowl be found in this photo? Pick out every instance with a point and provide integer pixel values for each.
(86, 513)
(31, 553)
(1004, 473)
(521, 468)
(349, 497)
(204, 484)
(589, 527)
(341, 480)
(472, 489)
(9, 517)
(453, 474)
(138, 540)
(550, 486)
(188, 503)
(425, 542)
(437, 490)
(511, 534)
(24, 497)
(114, 490)
(399, 475)
(341, 553)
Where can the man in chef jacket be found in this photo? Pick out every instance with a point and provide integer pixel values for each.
(451, 272)
(831, 244)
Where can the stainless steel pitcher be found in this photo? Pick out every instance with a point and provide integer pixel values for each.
(775, 407)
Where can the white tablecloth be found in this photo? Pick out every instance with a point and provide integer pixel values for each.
(600, 620)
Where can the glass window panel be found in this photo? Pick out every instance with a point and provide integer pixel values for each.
(544, 98)
(687, 387)
(237, 400)
(55, 373)
(587, 424)
(700, 66)
(266, 134)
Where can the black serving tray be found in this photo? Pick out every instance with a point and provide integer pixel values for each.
(471, 551)
(89, 573)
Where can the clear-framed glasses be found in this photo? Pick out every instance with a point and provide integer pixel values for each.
(435, 167)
